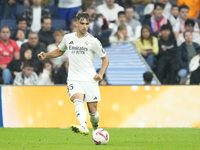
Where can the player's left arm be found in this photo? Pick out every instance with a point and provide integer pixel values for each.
(98, 49)
(104, 66)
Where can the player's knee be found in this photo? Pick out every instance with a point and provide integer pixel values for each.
(93, 110)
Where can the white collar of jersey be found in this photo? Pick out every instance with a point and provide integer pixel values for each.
(81, 37)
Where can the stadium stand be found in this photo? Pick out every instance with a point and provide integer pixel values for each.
(126, 65)
(54, 11)
(20, 10)
(140, 10)
(59, 24)
(10, 23)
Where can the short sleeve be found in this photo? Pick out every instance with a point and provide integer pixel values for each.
(176, 27)
(62, 46)
(98, 49)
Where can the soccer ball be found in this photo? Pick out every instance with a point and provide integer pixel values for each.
(100, 137)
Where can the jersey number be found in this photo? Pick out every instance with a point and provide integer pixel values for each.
(70, 87)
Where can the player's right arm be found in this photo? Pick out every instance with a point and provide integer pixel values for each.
(52, 54)
(62, 47)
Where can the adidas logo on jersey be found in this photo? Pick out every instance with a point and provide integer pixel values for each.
(95, 98)
(71, 42)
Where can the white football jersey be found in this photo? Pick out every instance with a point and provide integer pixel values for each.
(81, 53)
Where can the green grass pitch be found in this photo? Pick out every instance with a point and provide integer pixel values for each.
(120, 139)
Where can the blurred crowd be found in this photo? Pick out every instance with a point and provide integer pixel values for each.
(165, 32)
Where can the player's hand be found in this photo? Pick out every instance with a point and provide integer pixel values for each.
(41, 56)
(98, 77)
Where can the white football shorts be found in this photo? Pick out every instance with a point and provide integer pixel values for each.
(90, 89)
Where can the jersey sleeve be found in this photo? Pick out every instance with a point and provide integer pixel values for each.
(62, 46)
(98, 49)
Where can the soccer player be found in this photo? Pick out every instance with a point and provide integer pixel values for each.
(82, 79)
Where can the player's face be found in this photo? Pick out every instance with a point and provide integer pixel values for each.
(28, 71)
(5, 34)
(83, 25)
(184, 13)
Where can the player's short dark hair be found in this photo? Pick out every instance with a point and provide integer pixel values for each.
(174, 6)
(43, 18)
(189, 22)
(165, 27)
(121, 13)
(159, 4)
(184, 33)
(20, 19)
(28, 63)
(147, 76)
(82, 15)
(5, 27)
(183, 7)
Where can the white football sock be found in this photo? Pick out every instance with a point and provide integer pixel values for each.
(94, 119)
(80, 112)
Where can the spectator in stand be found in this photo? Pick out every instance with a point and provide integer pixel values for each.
(34, 14)
(62, 74)
(34, 45)
(195, 76)
(133, 23)
(97, 22)
(157, 20)
(73, 27)
(185, 53)
(15, 66)
(166, 65)
(20, 38)
(121, 35)
(68, 8)
(86, 4)
(27, 76)
(174, 17)
(122, 19)
(46, 33)
(179, 27)
(147, 77)
(46, 73)
(9, 49)
(128, 3)
(147, 45)
(110, 11)
(194, 7)
(189, 26)
(21, 24)
(57, 62)
(148, 11)
(9, 8)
